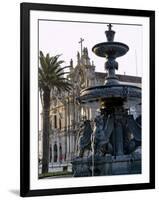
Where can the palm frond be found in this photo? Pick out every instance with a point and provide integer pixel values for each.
(62, 69)
(51, 74)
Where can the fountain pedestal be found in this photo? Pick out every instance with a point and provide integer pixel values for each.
(107, 165)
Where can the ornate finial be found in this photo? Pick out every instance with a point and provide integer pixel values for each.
(110, 33)
(85, 51)
(78, 57)
(85, 60)
(71, 62)
(109, 27)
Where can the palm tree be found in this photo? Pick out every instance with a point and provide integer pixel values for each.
(50, 76)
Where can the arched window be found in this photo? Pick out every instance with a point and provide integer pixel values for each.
(60, 151)
(55, 152)
(60, 124)
(50, 154)
(55, 121)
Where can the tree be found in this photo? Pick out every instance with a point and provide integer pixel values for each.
(50, 76)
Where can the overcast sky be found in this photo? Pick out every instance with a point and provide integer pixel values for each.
(56, 37)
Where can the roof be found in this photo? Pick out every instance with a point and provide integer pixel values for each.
(122, 78)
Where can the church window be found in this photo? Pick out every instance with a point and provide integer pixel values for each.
(60, 151)
(55, 152)
(50, 157)
(60, 124)
(55, 121)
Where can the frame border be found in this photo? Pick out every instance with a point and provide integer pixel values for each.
(25, 9)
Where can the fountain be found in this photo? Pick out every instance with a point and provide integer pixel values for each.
(115, 140)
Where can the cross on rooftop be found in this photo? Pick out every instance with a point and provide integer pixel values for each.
(81, 41)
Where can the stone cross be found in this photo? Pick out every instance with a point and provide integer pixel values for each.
(81, 40)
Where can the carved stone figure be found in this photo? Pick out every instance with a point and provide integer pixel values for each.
(101, 135)
(133, 126)
(85, 138)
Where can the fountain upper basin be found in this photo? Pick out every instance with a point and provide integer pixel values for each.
(115, 49)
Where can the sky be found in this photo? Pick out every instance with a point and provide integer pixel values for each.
(59, 37)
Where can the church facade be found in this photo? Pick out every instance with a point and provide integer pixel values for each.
(66, 114)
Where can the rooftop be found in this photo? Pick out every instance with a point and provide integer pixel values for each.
(122, 78)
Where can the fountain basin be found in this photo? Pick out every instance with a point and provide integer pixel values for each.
(125, 92)
(107, 165)
(115, 49)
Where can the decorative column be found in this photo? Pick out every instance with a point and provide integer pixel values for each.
(118, 131)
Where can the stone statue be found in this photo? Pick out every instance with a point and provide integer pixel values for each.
(85, 138)
(133, 127)
(101, 135)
